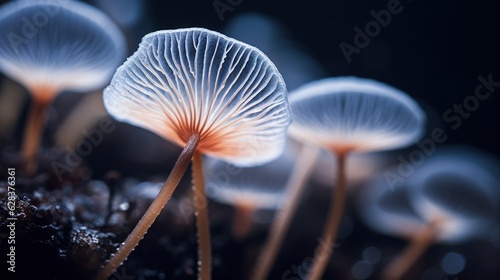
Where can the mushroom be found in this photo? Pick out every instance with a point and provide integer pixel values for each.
(349, 115)
(50, 47)
(306, 160)
(249, 189)
(451, 198)
(208, 93)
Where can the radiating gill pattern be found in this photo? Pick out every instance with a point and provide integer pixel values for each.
(58, 45)
(194, 80)
(355, 114)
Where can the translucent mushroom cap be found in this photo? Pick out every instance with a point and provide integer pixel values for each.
(49, 46)
(186, 81)
(361, 167)
(456, 189)
(260, 186)
(354, 114)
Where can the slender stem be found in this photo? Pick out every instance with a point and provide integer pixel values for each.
(202, 225)
(283, 219)
(33, 134)
(154, 209)
(242, 221)
(406, 259)
(325, 248)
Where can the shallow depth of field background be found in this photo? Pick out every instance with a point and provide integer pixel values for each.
(433, 50)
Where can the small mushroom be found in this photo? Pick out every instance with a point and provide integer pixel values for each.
(208, 93)
(451, 198)
(351, 115)
(249, 189)
(54, 46)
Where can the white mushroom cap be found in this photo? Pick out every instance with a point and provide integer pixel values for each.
(354, 114)
(50, 46)
(194, 80)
